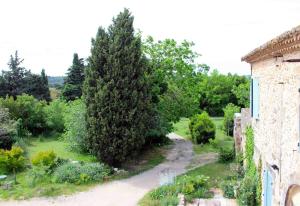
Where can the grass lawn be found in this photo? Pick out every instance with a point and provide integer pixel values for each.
(217, 172)
(182, 128)
(60, 147)
(46, 187)
(222, 140)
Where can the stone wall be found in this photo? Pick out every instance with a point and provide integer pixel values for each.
(276, 131)
(241, 121)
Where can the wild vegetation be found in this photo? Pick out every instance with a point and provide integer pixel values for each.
(117, 107)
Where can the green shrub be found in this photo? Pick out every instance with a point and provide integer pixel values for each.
(55, 115)
(226, 155)
(202, 128)
(75, 126)
(228, 122)
(247, 191)
(12, 160)
(228, 189)
(215, 143)
(29, 109)
(6, 141)
(190, 186)
(36, 175)
(169, 201)
(45, 158)
(79, 174)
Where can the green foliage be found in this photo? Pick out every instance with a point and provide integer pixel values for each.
(46, 158)
(216, 91)
(249, 148)
(249, 191)
(228, 122)
(246, 193)
(75, 126)
(29, 109)
(74, 79)
(169, 201)
(202, 128)
(117, 93)
(36, 175)
(80, 174)
(191, 186)
(55, 115)
(7, 129)
(175, 76)
(17, 80)
(242, 93)
(12, 160)
(37, 86)
(226, 155)
(6, 141)
(259, 183)
(228, 188)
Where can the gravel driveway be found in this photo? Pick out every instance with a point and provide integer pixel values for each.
(126, 192)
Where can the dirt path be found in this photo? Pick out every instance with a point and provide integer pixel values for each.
(125, 192)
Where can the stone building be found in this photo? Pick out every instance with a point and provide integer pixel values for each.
(275, 112)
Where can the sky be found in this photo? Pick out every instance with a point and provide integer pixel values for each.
(47, 32)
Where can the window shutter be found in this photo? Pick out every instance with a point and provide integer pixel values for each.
(255, 98)
(265, 187)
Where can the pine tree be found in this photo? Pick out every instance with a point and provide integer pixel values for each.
(74, 80)
(14, 78)
(37, 86)
(119, 95)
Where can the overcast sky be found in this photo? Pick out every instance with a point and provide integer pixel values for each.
(47, 32)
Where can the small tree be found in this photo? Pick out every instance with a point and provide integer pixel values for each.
(202, 128)
(12, 160)
(228, 122)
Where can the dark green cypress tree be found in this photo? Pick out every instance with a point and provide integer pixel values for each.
(45, 92)
(93, 75)
(122, 96)
(74, 80)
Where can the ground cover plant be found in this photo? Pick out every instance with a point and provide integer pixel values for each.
(195, 184)
(47, 163)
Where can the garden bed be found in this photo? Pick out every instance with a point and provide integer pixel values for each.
(46, 186)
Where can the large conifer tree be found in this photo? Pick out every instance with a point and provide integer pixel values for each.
(117, 92)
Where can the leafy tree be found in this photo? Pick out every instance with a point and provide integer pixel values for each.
(122, 97)
(216, 91)
(74, 80)
(242, 93)
(176, 74)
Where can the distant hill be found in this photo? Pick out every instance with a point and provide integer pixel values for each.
(55, 81)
